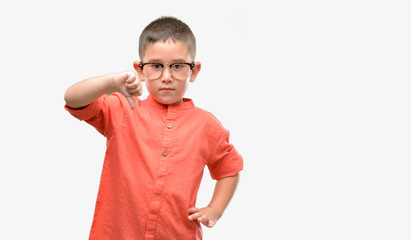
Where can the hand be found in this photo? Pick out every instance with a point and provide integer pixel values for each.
(129, 85)
(207, 216)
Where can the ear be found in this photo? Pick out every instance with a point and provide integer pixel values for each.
(195, 71)
(139, 71)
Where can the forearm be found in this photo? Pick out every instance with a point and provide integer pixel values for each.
(223, 192)
(85, 92)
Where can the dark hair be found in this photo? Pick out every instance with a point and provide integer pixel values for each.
(165, 28)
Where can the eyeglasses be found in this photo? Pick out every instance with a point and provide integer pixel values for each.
(154, 71)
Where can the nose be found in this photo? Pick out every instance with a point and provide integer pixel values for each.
(167, 74)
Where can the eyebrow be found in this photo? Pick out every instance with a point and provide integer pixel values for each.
(156, 60)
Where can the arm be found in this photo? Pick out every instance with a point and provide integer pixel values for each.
(223, 192)
(85, 92)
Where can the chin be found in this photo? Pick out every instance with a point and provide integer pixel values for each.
(168, 101)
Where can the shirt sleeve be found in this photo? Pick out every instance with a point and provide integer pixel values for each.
(225, 161)
(105, 113)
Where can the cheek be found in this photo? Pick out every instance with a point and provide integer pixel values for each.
(150, 85)
(183, 86)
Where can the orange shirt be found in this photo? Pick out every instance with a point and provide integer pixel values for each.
(153, 166)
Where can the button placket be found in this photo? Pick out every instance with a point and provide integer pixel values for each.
(162, 171)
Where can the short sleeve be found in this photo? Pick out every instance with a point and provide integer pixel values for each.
(225, 161)
(105, 113)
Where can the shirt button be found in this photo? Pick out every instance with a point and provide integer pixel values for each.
(165, 153)
(169, 125)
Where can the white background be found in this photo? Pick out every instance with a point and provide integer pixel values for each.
(316, 95)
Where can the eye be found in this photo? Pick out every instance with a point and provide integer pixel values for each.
(178, 66)
(156, 66)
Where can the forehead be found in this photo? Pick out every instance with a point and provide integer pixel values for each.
(167, 51)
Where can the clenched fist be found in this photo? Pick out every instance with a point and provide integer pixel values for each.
(128, 84)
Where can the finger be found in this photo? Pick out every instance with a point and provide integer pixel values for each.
(131, 77)
(194, 216)
(135, 92)
(134, 89)
(192, 210)
(205, 221)
(131, 102)
(132, 85)
(210, 224)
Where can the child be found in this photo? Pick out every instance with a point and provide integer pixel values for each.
(157, 148)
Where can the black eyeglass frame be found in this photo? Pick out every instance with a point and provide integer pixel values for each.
(192, 65)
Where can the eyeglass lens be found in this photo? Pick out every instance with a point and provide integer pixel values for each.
(155, 70)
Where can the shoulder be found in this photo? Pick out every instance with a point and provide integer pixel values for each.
(207, 118)
(206, 115)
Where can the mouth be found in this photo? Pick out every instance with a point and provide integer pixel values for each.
(166, 89)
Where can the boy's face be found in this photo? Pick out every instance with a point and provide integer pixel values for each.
(167, 89)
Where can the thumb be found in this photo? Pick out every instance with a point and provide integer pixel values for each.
(129, 98)
(131, 101)
(131, 77)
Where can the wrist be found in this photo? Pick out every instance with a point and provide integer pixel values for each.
(216, 210)
(111, 85)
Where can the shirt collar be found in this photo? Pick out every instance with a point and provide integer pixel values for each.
(187, 103)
